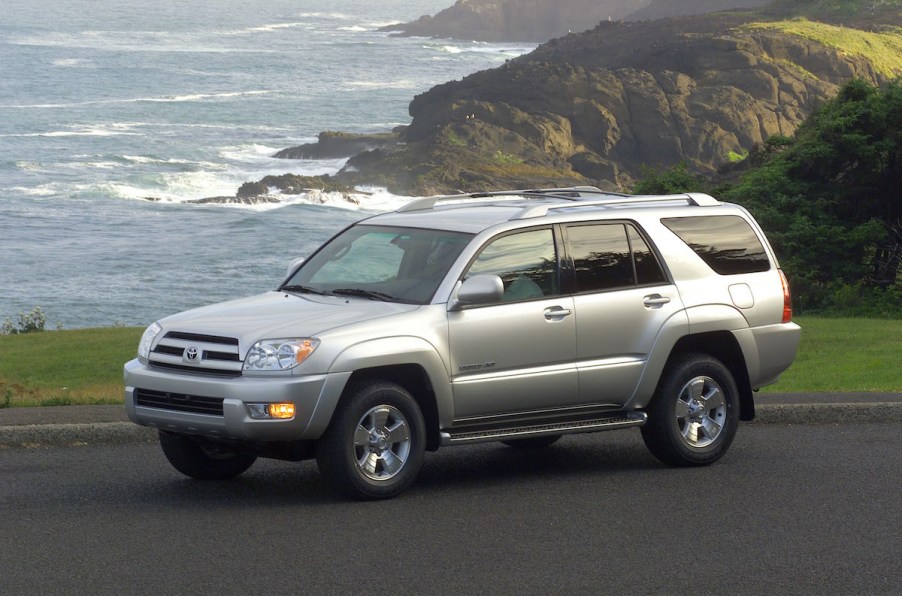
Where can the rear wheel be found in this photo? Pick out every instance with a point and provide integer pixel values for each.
(694, 414)
(204, 460)
(373, 448)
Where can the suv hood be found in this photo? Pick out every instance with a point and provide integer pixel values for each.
(276, 315)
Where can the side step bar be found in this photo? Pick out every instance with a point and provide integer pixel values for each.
(621, 420)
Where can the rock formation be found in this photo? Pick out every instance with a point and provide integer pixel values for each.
(541, 20)
(596, 107)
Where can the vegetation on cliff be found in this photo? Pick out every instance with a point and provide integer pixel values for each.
(828, 199)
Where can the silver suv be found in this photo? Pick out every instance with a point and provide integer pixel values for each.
(515, 316)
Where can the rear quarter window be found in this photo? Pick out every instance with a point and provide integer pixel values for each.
(726, 243)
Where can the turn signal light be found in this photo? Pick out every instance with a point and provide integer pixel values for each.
(282, 411)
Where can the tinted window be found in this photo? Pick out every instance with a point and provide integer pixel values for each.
(607, 256)
(648, 269)
(601, 257)
(726, 243)
(526, 262)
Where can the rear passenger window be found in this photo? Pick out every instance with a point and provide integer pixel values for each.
(726, 243)
(609, 256)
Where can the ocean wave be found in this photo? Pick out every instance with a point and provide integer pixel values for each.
(192, 97)
(402, 84)
(199, 96)
(367, 199)
(136, 41)
(274, 27)
(73, 63)
(44, 190)
(326, 15)
(506, 50)
(88, 132)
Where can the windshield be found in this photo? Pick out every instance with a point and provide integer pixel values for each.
(380, 263)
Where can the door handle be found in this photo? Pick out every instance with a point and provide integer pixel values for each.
(556, 312)
(655, 301)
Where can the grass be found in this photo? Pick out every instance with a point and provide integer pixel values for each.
(81, 366)
(84, 366)
(845, 355)
(883, 49)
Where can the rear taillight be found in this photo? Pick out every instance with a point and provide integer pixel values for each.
(787, 298)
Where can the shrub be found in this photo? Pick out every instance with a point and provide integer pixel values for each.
(30, 322)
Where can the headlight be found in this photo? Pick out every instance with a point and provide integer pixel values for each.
(279, 354)
(147, 340)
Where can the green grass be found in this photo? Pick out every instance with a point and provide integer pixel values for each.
(81, 366)
(845, 355)
(883, 49)
(84, 366)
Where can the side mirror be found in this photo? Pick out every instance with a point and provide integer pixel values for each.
(294, 264)
(479, 289)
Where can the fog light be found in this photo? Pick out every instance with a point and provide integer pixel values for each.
(282, 411)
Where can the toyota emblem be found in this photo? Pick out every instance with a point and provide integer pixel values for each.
(191, 354)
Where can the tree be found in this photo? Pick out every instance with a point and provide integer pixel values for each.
(829, 198)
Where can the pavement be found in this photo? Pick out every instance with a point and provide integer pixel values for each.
(56, 426)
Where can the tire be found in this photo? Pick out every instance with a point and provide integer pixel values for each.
(532, 442)
(373, 448)
(204, 460)
(694, 413)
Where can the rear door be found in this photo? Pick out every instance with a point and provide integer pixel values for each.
(622, 298)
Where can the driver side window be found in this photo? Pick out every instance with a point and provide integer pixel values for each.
(526, 262)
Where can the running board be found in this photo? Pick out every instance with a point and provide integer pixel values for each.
(625, 420)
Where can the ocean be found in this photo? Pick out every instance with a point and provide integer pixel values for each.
(104, 104)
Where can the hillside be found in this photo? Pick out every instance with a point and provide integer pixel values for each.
(541, 20)
(599, 106)
(517, 20)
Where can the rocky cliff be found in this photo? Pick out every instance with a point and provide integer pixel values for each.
(598, 106)
(517, 20)
(541, 20)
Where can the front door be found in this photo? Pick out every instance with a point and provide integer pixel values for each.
(517, 355)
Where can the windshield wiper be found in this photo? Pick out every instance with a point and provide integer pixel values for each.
(304, 290)
(364, 294)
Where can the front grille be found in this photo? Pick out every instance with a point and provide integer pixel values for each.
(213, 339)
(179, 402)
(199, 353)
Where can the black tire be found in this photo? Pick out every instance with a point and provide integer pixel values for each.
(204, 460)
(532, 442)
(694, 414)
(373, 448)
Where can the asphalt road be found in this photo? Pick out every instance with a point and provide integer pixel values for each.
(800, 509)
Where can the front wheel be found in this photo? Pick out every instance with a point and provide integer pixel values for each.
(694, 414)
(204, 460)
(373, 448)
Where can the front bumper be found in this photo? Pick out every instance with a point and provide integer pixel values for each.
(314, 396)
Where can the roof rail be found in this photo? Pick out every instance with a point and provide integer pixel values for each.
(693, 198)
(572, 193)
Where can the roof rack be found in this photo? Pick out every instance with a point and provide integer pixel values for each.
(573, 196)
(697, 199)
(571, 193)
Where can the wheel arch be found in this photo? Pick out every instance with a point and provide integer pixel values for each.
(415, 380)
(723, 346)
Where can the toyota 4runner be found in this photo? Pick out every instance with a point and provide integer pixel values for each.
(516, 316)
